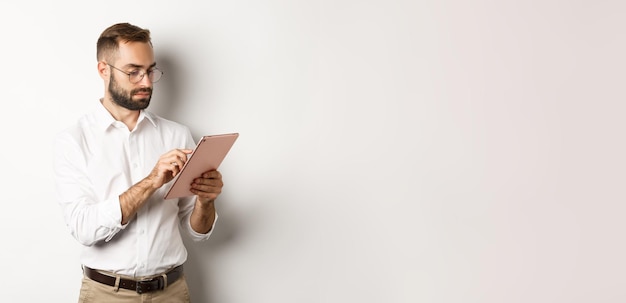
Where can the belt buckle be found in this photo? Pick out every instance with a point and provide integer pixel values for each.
(151, 285)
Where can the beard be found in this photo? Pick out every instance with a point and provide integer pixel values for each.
(124, 98)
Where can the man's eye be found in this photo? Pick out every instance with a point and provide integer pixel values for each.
(135, 73)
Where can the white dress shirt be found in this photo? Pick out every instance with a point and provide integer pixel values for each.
(98, 159)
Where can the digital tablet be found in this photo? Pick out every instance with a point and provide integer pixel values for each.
(208, 155)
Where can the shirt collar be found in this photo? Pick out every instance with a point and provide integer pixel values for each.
(104, 119)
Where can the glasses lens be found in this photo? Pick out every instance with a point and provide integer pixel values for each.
(155, 75)
(135, 76)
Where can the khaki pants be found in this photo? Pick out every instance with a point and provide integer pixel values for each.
(95, 292)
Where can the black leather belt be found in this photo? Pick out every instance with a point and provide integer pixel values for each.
(140, 286)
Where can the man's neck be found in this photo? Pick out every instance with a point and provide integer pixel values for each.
(124, 115)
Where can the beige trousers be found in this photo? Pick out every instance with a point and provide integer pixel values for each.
(95, 292)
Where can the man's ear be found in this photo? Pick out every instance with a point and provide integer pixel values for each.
(103, 70)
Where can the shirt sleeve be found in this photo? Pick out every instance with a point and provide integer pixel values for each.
(88, 220)
(186, 206)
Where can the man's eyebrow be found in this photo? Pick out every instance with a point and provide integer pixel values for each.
(139, 66)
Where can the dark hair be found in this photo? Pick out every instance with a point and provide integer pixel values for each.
(108, 43)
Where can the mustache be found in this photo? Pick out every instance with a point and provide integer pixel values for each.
(141, 90)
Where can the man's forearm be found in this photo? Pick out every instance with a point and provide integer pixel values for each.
(203, 216)
(132, 199)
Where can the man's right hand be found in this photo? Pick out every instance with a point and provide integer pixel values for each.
(168, 166)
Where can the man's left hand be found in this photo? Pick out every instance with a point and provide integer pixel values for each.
(208, 186)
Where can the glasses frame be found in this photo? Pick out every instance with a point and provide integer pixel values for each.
(142, 75)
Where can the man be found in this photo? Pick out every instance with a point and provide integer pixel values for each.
(111, 168)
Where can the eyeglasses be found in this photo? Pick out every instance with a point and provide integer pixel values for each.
(154, 74)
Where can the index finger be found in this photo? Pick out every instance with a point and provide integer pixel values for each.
(212, 174)
(182, 153)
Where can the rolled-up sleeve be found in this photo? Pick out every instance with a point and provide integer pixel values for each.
(88, 220)
(186, 206)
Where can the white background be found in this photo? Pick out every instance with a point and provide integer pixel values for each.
(390, 151)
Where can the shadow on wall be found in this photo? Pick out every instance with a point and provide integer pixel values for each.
(166, 99)
(199, 266)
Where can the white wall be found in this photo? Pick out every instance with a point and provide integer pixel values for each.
(399, 151)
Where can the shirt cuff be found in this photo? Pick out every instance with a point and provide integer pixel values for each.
(111, 217)
(196, 236)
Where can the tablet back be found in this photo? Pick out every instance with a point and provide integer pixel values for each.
(208, 155)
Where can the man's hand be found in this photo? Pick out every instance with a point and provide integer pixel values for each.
(208, 186)
(168, 166)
